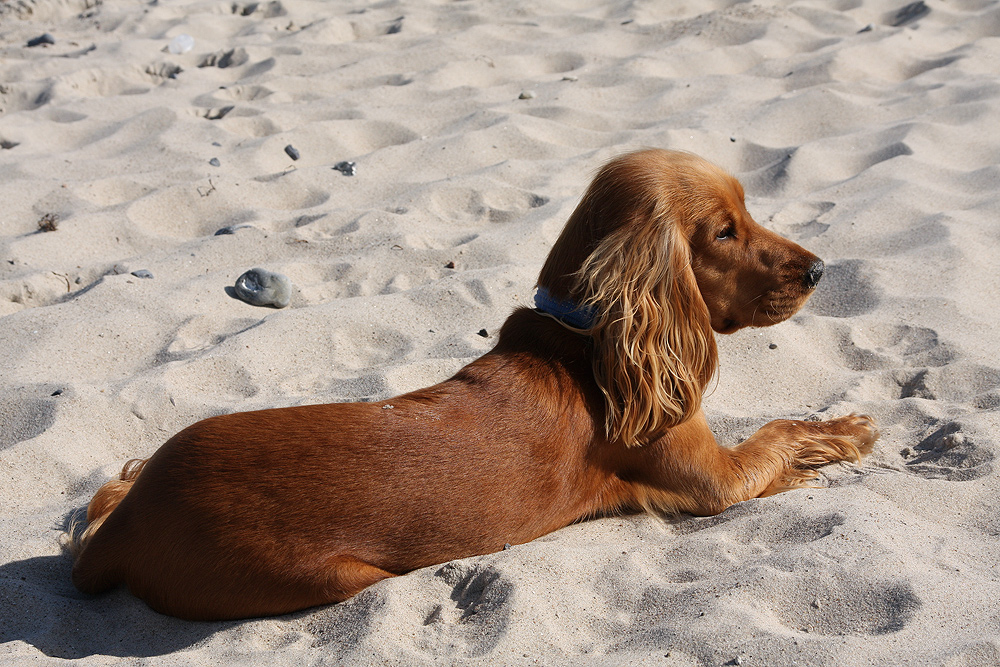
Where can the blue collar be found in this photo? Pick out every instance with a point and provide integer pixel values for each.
(568, 312)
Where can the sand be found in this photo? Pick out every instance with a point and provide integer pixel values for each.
(474, 127)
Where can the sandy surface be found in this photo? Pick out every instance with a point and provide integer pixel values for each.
(872, 144)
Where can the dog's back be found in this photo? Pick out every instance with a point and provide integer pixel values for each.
(262, 513)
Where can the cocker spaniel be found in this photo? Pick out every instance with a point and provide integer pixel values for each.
(590, 404)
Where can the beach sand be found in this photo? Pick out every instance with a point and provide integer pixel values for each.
(862, 129)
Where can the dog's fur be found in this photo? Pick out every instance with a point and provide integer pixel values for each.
(262, 513)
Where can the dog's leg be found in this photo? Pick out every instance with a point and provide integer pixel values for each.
(781, 455)
(812, 444)
(327, 581)
(347, 576)
(688, 471)
(278, 591)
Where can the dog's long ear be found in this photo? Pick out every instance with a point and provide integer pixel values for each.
(654, 351)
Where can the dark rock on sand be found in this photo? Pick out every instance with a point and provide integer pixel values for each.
(260, 287)
(44, 38)
(347, 168)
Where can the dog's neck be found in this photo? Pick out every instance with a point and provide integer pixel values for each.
(569, 313)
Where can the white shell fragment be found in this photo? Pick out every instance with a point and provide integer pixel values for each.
(181, 44)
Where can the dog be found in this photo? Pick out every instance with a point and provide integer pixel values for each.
(589, 405)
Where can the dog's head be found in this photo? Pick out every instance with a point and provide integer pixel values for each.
(663, 250)
(748, 276)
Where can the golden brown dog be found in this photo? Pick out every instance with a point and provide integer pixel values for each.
(589, 406)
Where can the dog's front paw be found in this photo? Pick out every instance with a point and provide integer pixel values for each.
(811, 444)
(860, 430)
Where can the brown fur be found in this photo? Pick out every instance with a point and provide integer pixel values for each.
(267, 512)
(103, 502)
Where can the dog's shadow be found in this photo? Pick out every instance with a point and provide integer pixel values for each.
(40, 606)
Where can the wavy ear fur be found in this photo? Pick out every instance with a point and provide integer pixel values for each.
(654, 350)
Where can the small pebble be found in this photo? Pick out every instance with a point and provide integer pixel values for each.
(570, 77)
(57, 392)
(526, 95)
(347, 168)
(507, 546)
(231, 229)
(816, 603)
(44, 38)
(292, 152)
(772, 346)
(911, 12)
(483, 333)
(142, 273)
(260, 287)
(450, 265)
(215, 162)
(49, 222)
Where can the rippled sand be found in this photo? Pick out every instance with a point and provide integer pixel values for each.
(475, 126)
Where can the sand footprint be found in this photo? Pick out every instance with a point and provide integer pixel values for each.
(211, 380)
(948, 453)
(852, 605)
(799, 529)
(479, 590)
(364, 388)
(260, 10)
(27, 413)
(914, 362)
(959, 382)
(25, 95)
(226, 58)
(491, 203)
(159, 72)
(40, 288)
(800, 219)
(358, 346)
(200, 333)
(319, 283)
(897, 346)
(241, 93)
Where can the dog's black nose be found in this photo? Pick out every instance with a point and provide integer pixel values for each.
(815, 272)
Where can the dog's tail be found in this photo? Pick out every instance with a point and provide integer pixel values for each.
(102, 504)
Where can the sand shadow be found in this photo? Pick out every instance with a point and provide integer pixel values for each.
(40, 606)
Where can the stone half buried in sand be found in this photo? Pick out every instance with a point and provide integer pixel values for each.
(260, 287)
(347, 168)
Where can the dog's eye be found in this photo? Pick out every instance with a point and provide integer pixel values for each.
(727, 233)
